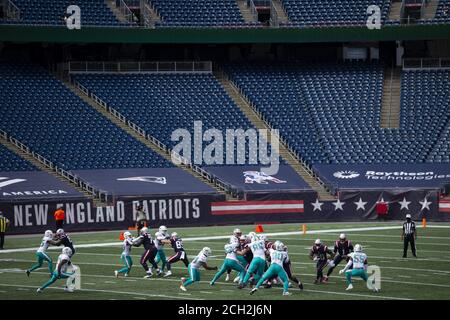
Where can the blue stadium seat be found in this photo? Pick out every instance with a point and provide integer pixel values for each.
(9, 161)
(42, 113)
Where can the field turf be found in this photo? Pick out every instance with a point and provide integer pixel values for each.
(427, 277)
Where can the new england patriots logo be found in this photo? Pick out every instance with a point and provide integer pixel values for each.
(160, 180)
(260, 177)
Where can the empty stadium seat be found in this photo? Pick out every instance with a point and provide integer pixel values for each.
(42, 113)
(9, 161)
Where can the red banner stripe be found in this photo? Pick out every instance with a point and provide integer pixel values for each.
(255, 211)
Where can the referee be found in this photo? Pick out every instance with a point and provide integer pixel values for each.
(4, 223)
(409, 236)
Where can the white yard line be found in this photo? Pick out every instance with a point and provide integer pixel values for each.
(98, 290)
(109, 244)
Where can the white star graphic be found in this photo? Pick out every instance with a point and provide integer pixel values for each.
(404, 204)
(425, 204)
(360, 204)
(317, 205)
(338, 205)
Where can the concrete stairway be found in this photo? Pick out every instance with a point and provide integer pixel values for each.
(430, 9)
(128, 129)
(245, 11)
(256, 120)
(19, 152)
(395, 10)
(282, 16)
(390, 109)
(112, 6)
(149, 15)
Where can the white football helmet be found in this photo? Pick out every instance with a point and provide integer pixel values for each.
(206, 251)
(163, 229)
(253, 236)
(237, 232)
(279, 246)
(358, 248)
(48, 234)
(144, 230)
(318, 242)
(242, 238)
(174, 235)
(59, 232)
(127, 234)
(263, 237)
(67, 251)
(342, 236)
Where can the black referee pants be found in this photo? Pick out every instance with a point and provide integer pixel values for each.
(2, 239)
(409, 239)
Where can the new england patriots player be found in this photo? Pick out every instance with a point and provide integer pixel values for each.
(342, 248)
(319, 253)
(64, 239)
(180, 255)
(150, 252)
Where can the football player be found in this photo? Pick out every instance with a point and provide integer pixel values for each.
(277, 257)
(180, 255)
(125, 256)
(342, 248)
(231, 262)
(64, 239)
(159, 237)
(234, 239)
(61, 270)
(194, 268)
(41, 253)
(319, 253)
(287, 266)
(150, 252)
(358, 262)
(256, 268)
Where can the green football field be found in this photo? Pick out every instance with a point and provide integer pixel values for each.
(427, 277)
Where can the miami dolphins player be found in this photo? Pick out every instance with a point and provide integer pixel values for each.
(234, 239)
(194, 268)
(159, 244)
(278, 257)
(61, 270)
(42, 255)
(258, 264)
(125, 256)
(358, 259)
(231, 262)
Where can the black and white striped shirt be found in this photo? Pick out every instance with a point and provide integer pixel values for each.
(409, 228)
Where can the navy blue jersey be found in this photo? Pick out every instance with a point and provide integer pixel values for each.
(147, 241)
(343, 248)
(320, 251)
(66, 241)
(177, 244)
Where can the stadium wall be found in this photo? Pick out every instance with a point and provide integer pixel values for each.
(16, 33)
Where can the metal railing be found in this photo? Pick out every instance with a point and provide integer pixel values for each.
(184, 161)
(306, 166)
(426, 64)
(126, 12)
(253, 10)
(274, 22)
(85, 186)
(140, 67)
(11, 10)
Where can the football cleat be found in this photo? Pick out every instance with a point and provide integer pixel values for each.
(253, 290)
(286, 293)
(183, 288)
(28, 273)
(116, 274)
(148, 275)
(227, 278)
(325, 279)
(211, 283)
(300, 286)
(167, 274)
(350, 287)
(236, 280)
(68, 289)
(125, 275)
(39, 290)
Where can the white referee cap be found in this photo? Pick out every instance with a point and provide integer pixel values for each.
(408, 216)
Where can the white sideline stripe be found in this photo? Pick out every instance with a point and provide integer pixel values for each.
(256, 207)
(109, 244)
(375, 296)
(98, 290)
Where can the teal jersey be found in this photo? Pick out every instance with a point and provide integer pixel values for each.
(278, 257)
(359, 259)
